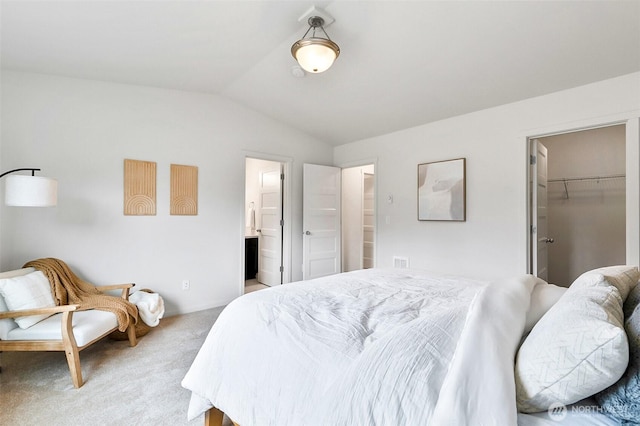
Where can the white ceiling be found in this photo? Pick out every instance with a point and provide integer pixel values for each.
(403, 63)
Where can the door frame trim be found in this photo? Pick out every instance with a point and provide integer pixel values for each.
(632, 158)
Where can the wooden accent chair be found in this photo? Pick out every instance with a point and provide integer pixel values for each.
(66, 330)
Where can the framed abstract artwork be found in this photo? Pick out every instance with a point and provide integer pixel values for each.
(139, 188)
(442, 190)
(184, 190)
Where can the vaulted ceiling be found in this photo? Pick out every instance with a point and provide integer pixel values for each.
(403, 63)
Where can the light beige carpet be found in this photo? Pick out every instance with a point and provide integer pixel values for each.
(123, 385)
(248, 288)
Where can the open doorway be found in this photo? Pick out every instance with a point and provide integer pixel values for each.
(264, 227)
(358, 218)
(338, 219)
(582, 225)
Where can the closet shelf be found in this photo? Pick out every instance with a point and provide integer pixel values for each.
(587, 178)
(597, 179)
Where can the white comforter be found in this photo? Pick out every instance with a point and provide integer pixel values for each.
(371, 347)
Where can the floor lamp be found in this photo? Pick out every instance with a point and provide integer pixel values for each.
(30, 191)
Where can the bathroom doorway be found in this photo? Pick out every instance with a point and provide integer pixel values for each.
(264, 228)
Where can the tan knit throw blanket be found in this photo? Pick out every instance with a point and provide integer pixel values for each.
(68, 289)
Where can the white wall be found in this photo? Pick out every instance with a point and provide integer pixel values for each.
(493, 240)
(589, 226)
(80, 132)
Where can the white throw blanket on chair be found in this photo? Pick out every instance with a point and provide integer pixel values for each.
(150, 307)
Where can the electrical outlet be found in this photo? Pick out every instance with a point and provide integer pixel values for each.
(186, 285)
(400, 262)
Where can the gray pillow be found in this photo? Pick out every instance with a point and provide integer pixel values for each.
(622, 399)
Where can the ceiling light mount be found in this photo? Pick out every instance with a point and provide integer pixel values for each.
(315, 54)
(315, 22)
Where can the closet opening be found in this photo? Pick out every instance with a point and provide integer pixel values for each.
(578, 206)
(358, 217)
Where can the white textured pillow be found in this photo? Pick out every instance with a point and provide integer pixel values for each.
(579, 347)
(29, 291)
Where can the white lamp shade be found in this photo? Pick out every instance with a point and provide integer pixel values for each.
(30, 191)
(315, 55)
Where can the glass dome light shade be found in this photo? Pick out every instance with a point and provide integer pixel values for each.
(314, 54)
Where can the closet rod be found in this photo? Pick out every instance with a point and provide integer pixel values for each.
(590, 178)
(587, 178)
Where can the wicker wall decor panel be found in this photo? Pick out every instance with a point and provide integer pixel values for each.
(184, 190)
(139, 188)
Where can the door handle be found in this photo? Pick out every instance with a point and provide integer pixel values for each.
(307, 233)
(549, 240)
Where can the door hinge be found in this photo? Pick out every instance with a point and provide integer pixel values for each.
(281, 222)
(533, 229)
(281, 176)
(282, 269)
(532, 160)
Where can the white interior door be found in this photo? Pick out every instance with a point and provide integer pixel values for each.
(320, 221)
(539, 218)
(270, 222)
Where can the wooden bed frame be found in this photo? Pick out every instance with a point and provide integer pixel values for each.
(213, 417)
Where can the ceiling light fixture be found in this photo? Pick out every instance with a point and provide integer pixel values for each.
(315, 54)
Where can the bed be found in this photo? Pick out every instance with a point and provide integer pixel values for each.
(407, 347)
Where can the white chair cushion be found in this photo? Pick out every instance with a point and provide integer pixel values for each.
(87, 325)
(30, 291)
